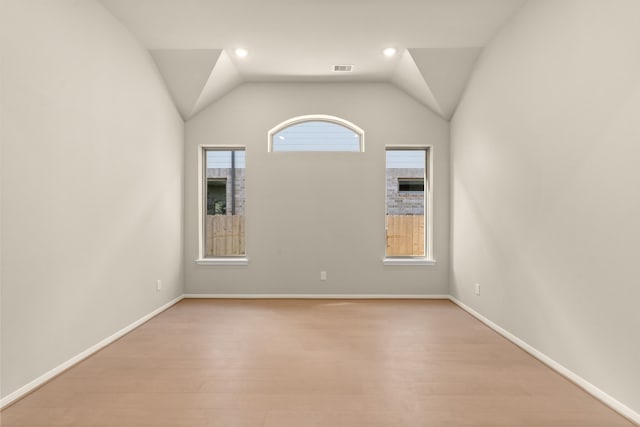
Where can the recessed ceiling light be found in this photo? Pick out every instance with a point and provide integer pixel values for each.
(241, 53)
(389, 52)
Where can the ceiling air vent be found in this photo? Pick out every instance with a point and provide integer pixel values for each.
(343, 68)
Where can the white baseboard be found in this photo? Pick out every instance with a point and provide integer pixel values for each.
(26, 389)
(316, 296)
(614, 404)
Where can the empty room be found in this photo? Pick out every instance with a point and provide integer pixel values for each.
(320, 213)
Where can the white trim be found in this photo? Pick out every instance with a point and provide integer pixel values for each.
(408, 261)
(608, 400)
(430, 221)
(28, 388)
(200, 186)
(223, 261)
(314, 117)
(316, 296)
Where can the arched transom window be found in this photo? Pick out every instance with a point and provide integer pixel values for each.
(316, 133)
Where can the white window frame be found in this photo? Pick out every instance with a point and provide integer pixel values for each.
(202, 177)
(429, 256)
(316, 118)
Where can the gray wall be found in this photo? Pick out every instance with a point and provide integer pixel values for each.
(91, 184)
(308, 212)
(545, 187)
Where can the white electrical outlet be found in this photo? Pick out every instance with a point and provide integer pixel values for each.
(477, 289)
(323, 275)
(158, 285)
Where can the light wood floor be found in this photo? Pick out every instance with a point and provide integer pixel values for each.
(281, 363)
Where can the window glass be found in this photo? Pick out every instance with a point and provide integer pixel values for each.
(316, 135)
(410, 184)
(224, 201)
(405, 202)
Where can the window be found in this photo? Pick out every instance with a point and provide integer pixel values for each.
(410, 184)
(216, 196)
(223, 199)
(316, 133)
(407, 204)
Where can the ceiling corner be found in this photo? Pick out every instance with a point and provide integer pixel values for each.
(407, 77)
(223, 79)
(186, 73)
(446, 72)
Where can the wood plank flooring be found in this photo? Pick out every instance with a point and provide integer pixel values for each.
(302, 363)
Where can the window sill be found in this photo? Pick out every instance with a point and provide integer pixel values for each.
(223, 261)
(408, 261)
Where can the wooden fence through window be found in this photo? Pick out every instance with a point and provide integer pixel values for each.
(225, 235)
(405, 235)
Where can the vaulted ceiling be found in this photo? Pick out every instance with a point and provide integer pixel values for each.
(192, 42)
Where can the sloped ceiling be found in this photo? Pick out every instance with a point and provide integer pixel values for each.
(445, 72)
(196, 77)
(408, 77)
(186, 73)
(223, 78)
(192, 41)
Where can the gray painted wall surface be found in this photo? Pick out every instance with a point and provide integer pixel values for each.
(301, 217)
(545, 187)
(83, 245)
